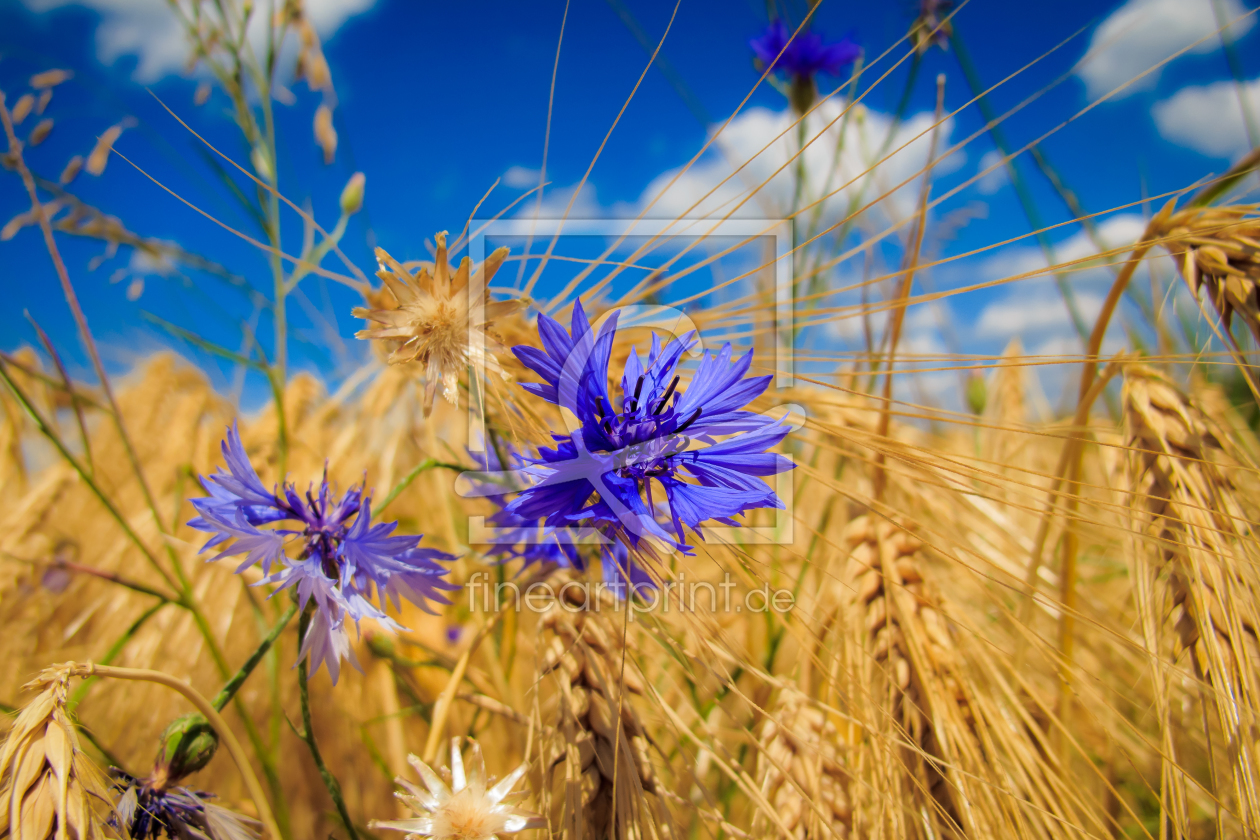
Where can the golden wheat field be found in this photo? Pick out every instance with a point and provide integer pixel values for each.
(779, 590)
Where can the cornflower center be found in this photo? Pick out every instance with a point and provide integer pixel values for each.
(646, 435)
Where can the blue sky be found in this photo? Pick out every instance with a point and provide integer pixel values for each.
(436, 101)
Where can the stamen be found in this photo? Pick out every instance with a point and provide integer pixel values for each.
(665, 399)
(695, 416)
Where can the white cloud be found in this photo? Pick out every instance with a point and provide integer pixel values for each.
(1033, 308)
(1209, 118)
(151, 31)
(748, 167)
(1022, 314)
(1142, 33)
(1116, 232)
(521, 178)
(991, 182)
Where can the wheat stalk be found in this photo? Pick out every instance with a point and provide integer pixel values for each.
(801, 770)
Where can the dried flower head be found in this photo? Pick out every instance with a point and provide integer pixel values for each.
(1219, 247)
(466, 810)
(436, 312)
(931, 28)
(48, 787)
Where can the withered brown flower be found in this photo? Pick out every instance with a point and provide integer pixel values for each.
(440, 318)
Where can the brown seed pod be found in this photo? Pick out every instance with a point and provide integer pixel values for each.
(40, 132)
(325, 134)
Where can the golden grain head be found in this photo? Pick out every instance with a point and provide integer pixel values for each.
(325, 134)
(48, 787)
(1219, 247)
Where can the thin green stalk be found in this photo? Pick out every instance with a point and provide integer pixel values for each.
(1022, 193)
(406, 480)
(1235, 70)
(233, 685)
(75, 402)
(45, 379)
(308, 734)
(56, 441)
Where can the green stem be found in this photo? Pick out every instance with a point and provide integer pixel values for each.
(405, 482)
(233, 685)
(1022, 193)
(56, 441)
(308, 733)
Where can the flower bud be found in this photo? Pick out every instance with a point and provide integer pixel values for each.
(262, 164)
(977, 393)
(188, 744)
(352, 195)
(803, 93)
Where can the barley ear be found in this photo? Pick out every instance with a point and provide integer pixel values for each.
(1198, 586)
(48, 787)
(599, 736)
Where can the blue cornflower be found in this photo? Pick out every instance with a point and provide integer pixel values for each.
(149, 808)
(516, 537)
(806, 55)
(602, 475)
(332, 553)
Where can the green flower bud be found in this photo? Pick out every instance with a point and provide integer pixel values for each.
(352, 195)
(188, 744)
(262, 163)
(802, 93)
(977, 393)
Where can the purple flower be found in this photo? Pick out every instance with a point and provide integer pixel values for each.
(603, 474)
(327, 549)
(517, 537)
(804, 56)
(147, 809)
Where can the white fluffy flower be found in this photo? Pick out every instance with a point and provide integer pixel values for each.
(466, 810)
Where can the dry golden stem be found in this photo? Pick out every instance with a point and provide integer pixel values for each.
(216, 720)
(1067, 456)
(442, 708)
(880, 477)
